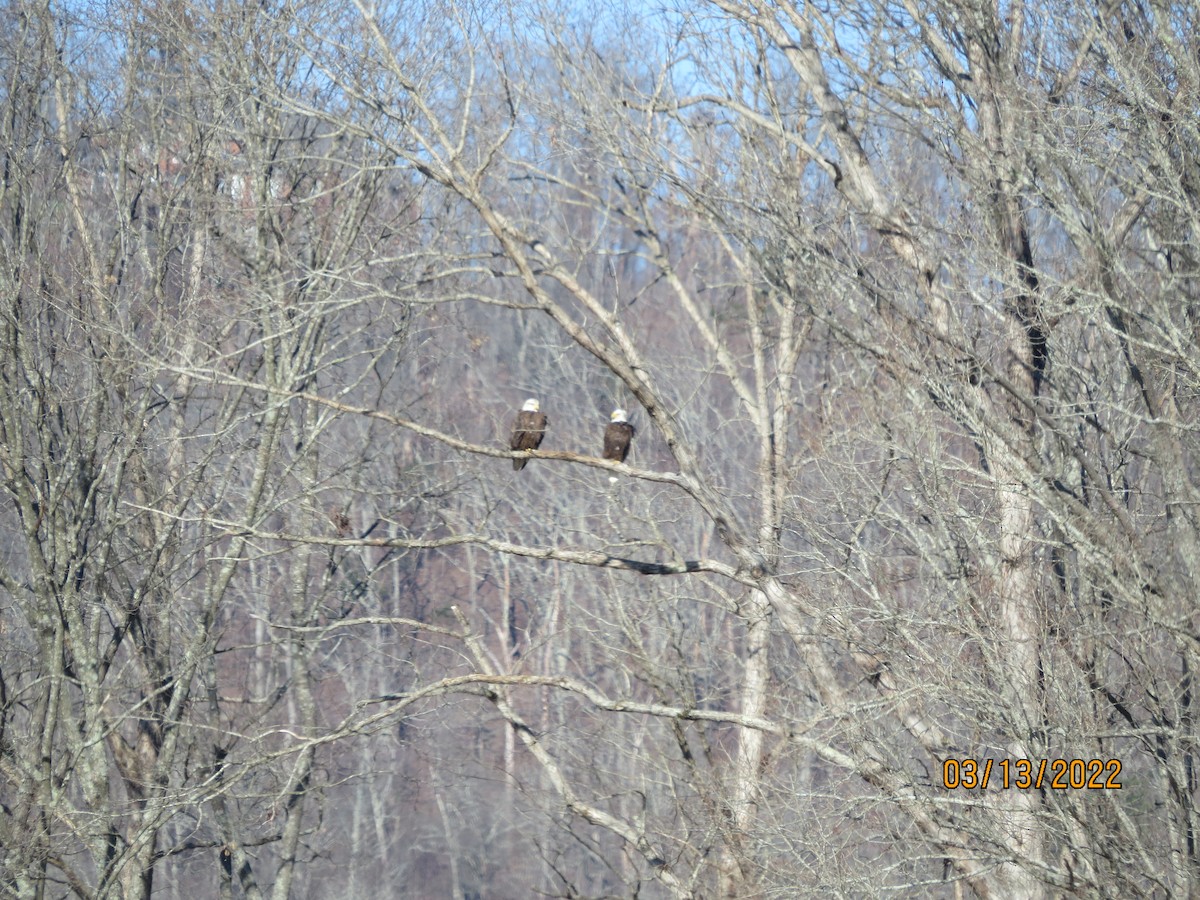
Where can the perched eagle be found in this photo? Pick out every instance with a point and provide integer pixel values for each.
(617, 436)
(528, 431)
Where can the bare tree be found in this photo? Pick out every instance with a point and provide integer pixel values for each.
(882, 195)
(180, 256)
(899, 298)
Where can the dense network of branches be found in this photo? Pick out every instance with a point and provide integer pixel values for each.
(901, 298)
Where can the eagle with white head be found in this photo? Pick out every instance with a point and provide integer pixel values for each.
(527, 431)
(617, 437)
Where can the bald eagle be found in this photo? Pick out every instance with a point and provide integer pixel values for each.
(528, 431)
(617, 436)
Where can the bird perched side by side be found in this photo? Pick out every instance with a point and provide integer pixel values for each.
(528, 431)
(617, 436)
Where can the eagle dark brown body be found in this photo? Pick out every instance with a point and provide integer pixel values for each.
(528, 431)
(617, 437)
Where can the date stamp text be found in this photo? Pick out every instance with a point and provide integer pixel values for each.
(1032, 774)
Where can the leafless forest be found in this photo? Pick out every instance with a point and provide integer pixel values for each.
(901, 297)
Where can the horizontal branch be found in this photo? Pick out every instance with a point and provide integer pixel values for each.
(361, 620)
(469, 683)
(597, 558)
(593, 696)
(675, 478)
